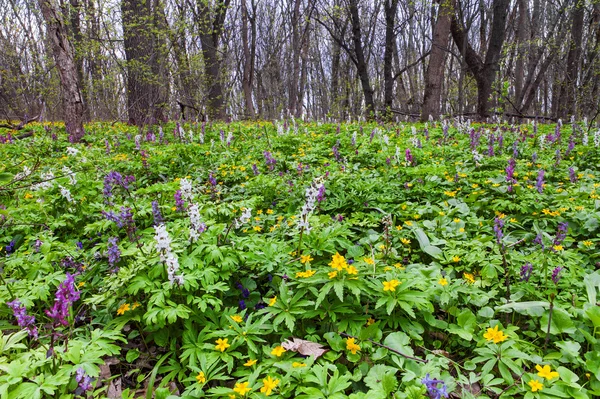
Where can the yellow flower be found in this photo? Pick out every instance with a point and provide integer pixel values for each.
(237, 318)
(272, 301)
(405, 241)
(338, 262)
(278, 351)
(257, 228)
(391, 285)
(268, 385)
(242, 388)
(81, 284)
(443, 281)
(297, 364)
(588, 243)
(462, 230)
(558, 248)
(369, 261)
(201, 378)
(456, 220)
(269, 211)
(222, 344)
(250, 362)
(351, 270)
(123, 308)
(493, 334)
(469, 277)
(455, 259)
(135, 305)
(332, 274)
(370, 321)
(398, 228)
(546, 372)
(352, 346)
(28, 196)
(305, 274)
(305, 258)
(408, 223)
(535, 385)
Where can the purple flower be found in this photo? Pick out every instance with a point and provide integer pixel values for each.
(107, 145)
(179, 203)
(38, 244)
(556, 274)
(242, 304)
(561, 233)
(572, 175)
(321, 193)
(557, 157)
(540, 181)
(526, 270)
(23, 319)
(372, 135)
(114, 178)
(158, 219)
(222, 135)
(432, 390)
(212, 180)
(79, 245)
(114, 255)
(336, 151)
(408, 157)
(515, 149)
(498, 225)
(534, 157)
(490, 152)
(510, 171)
(571, 146)
(10, 247)
(64, 298)
(269, 160)
(84, 382)
(539, 240)
(255, 170)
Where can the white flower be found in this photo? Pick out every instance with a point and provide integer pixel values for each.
(196, 226)
(69, 173)
(72, 151)
(597, 138)
(163, 245)
(47, 181)
(66, 194)
(186, 190)
(542, 141)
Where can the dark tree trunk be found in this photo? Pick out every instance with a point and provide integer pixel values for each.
(568, 88)
(484, 71)
(437, 62)
(65, 62)
(210, 33)
(390, 8)
(249, 54)
(75, 22)
(296, 48)
(361, 64)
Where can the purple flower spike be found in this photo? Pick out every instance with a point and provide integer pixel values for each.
(64, 298)
(432, 390)
(23, 319)
(556, 274)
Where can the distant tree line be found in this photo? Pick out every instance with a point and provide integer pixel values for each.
(146, 61)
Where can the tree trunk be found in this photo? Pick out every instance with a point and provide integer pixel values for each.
(296, 48)
(210, 32)
(390, 7)
(63, 57)
(568, 99)
(248, 60)
(361, 64)
(437, 62)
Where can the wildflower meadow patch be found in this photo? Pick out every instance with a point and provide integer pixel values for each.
(301, 260)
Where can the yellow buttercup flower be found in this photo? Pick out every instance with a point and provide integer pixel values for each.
(391, 285)
(332, 274)
(123, 308)
(222, 344)
(278, 351)
(305, 258)
(443, 282)
(268, 385)
(455, 259)
(201, 378)
(237, 318)
(352, 346)
(297, 364)
(493, 334)
(272, 301)
(351, 270)
(535, 385)
(338, 262)
(546, 372)
(405, 241)
(250, 362)
(306, 274)
(369, 261)
(469, 277)
(242, 388)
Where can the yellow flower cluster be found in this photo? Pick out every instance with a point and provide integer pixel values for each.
(127, 307)
(493, 334)
(339, 264)
(352, 346)
(306, 274)
(391, 285)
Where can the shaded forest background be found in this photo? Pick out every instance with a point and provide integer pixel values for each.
(146, 61)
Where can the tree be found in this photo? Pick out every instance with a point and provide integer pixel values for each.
(72, 98)
(391, 8)
(437, 62)
(483, 69)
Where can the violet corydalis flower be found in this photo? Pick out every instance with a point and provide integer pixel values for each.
(114, 254)
(561, 233)
(84, 382)
(255, 170)
(269, 160)
(526, 270)
(64, 298)
(540, 181)
(572, 175)
(556, 274)
(158, 218)
(498, 225)
(179, 203)
(432, 388)
(408, 157)
(23, 319)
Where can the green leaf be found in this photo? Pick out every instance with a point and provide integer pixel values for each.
(561, 322)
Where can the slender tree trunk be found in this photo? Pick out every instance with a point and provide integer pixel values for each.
(303, 73)
(65, 62)
(437, 63)
(391, 8)
(296, 48)
(568, 99)
(361, 64)
(248, 61)
(521, 36)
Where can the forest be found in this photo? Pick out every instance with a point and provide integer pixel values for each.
(308, 199)
(155, 60)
